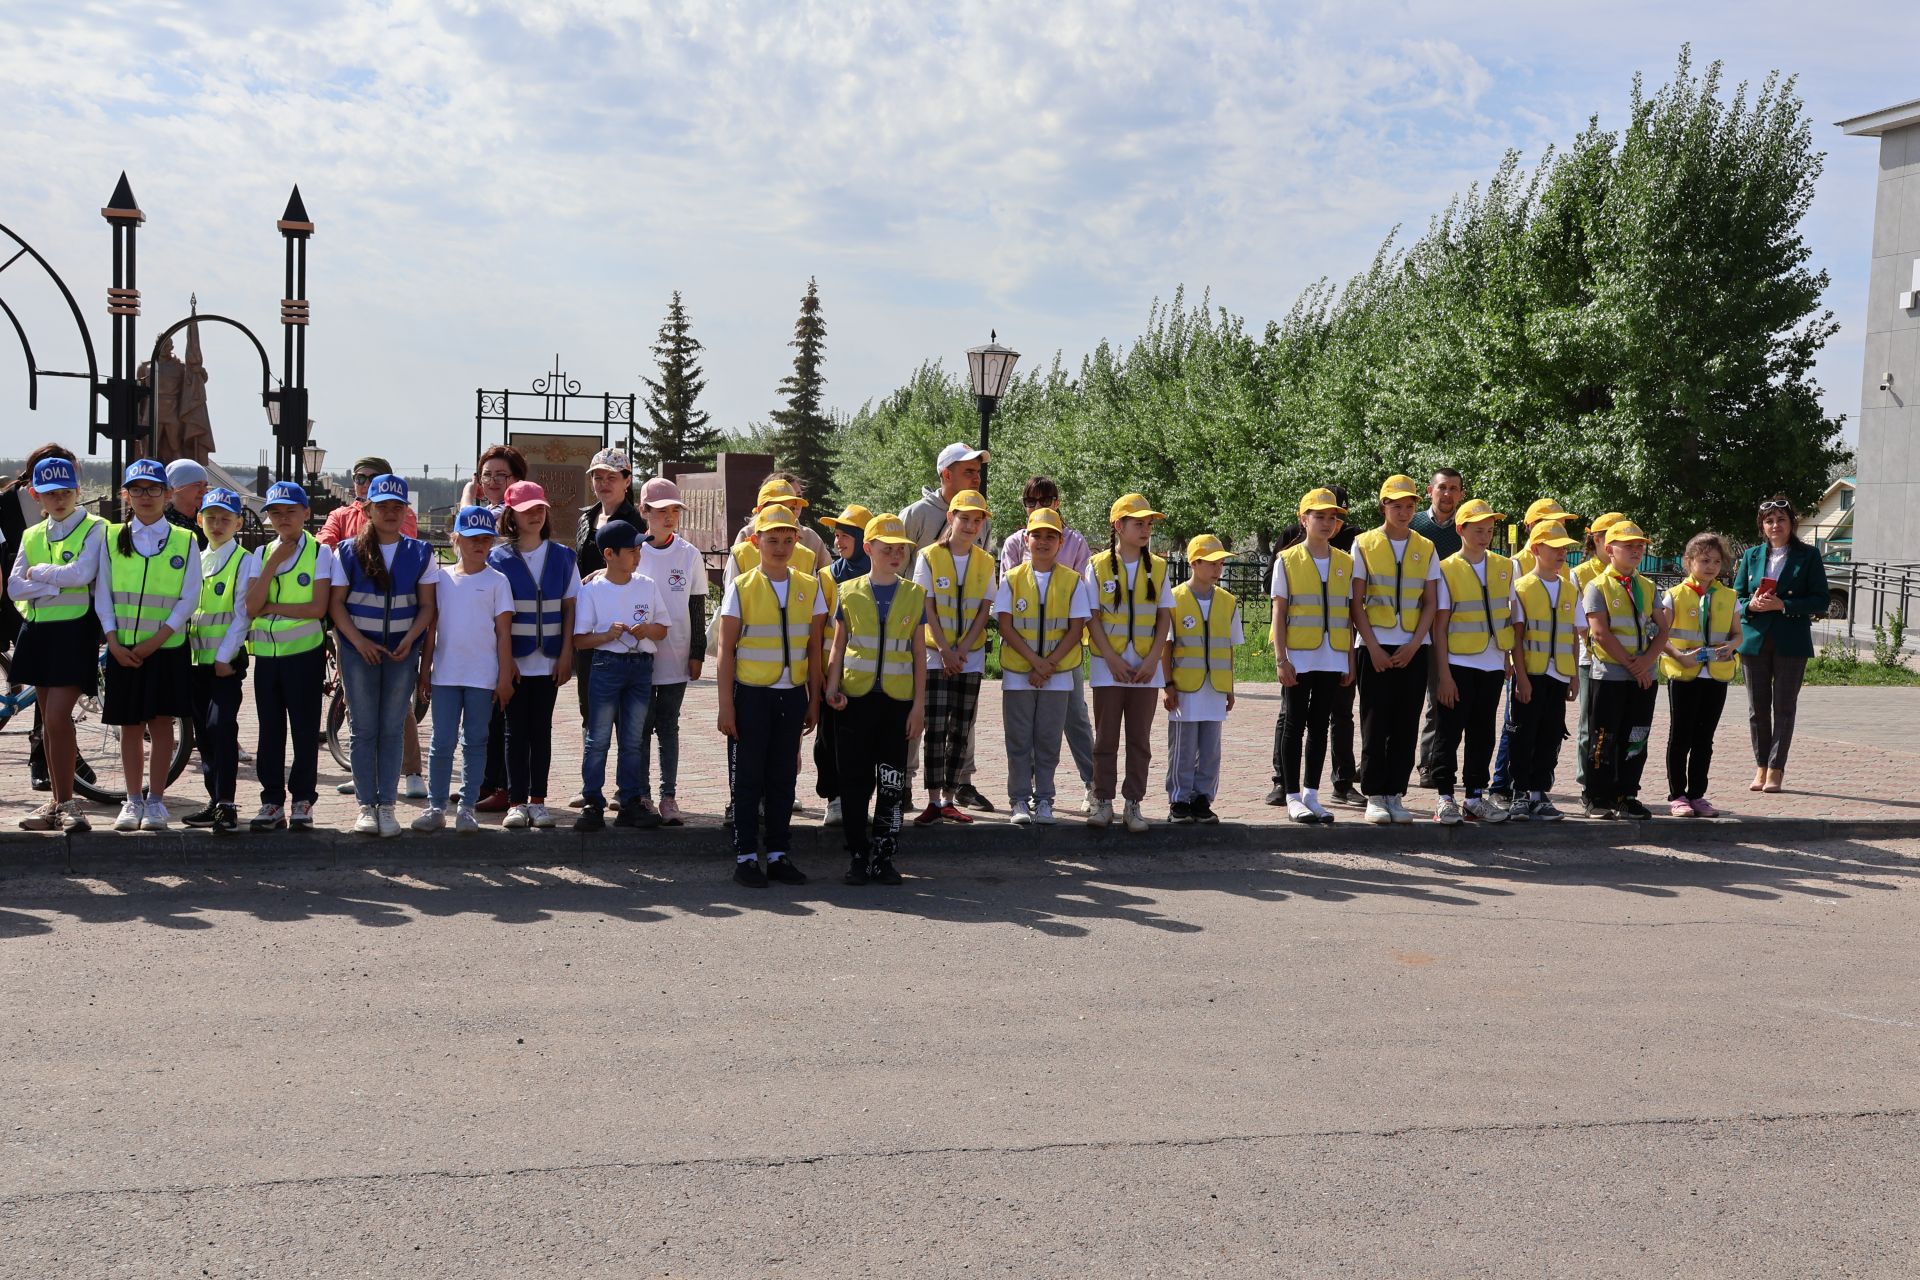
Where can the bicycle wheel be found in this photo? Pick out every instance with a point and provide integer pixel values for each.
(97, 752)
(340, 730)
(16, 701)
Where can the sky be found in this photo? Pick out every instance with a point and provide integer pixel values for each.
(497, 184)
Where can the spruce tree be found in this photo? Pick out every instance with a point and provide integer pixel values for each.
(680, 433)
(804, 444)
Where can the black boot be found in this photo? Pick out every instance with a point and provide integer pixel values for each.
(856, 870)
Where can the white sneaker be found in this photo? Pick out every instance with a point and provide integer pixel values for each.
(344, 788)
(577, 801)
(1401, 813)
(301, 815)
(833, 814)
(464, 822)
(518, 818)
(1377, 812)
(1100, 813)
(1087, 801)
(1446, 811)
(541, 818)
(432, 818)
(1482, 809)
(1043, 813)
(1136, 820)
(368, 823)
(156, 816)
(131, 812)
(389, 824)
(1297, 811)
(413, 787)
(1022, 813)
(269, 817)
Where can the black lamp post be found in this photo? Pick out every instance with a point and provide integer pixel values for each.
(122, 391)
(991, 369)
(290, 414)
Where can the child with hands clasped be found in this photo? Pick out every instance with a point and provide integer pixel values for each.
(466, 670)
(1474, 642)
(290, 586)
(1396, 576)
(958, 577)
(1546, 613)
(1313, 591)
(1699, 662)
(620, 618)
(877, 687)
(1628, 630)
(545, 580)
(217, 636)
(1199, 681)
(1040, 610)
(1132, 614)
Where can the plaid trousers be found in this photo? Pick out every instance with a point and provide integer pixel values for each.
(952, 703)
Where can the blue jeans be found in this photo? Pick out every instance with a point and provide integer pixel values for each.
(459, 712)
(379, 699)
(663, 723)
(617, 699)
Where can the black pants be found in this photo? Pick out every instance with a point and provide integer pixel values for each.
(826, 760)
(1693, 707)
(1622, 718)
(1339, 738)
(1538, 726)
(1472, 717)
(1306, 712)
(1390, 703)
(1773, 699)
(286, 701)
(495, 778)
(768, 724)
(871, 742)
(216, 728)
(1429, 723)
(529, 744)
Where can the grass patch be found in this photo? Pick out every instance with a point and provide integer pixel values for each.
(1829, 669)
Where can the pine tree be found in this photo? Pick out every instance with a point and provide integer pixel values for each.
(680, 433)
(805, 441)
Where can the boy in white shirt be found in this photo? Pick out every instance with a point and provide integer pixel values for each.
(621, 617)
(466, 668)
(677, 570)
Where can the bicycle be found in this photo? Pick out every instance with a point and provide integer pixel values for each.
(338, 725)
(94, 739)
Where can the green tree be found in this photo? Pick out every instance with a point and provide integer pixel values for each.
(805, 443)
(680, 433)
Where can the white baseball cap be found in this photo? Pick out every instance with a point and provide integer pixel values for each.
(958, 452)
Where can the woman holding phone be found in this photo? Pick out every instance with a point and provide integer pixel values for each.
(1782, 587)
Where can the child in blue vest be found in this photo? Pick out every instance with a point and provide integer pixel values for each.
(144, 596)
(467, 669)
(217, 637)
(383, 609)
(545, 578)
(290, 588)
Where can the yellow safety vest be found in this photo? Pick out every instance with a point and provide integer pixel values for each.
(1631, 625)
(1203, 644)
(145, 588)
(1478, 609)
(772, 641)
(1394, 583)
(277, 637)
(208, 626)
(871, 653)
(72, 602)
(1318, 610)
(1549, 626)
(1130, 623)
(1040, 621)
(957, 598)
(1687, 633)
(747, 556)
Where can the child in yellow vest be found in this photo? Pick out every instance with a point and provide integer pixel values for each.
(1474, 641)
(1395, 577)
(290, 589)
(1546, 613)
(958, 577)
(1628, 629)
(1582, 576)
(217, 639)
(848, 531)
(1543, 511)
(1699, 662)
(1313, 590)
(877, 689)
(1127, 586)
(1041, 609)
(1199, 681)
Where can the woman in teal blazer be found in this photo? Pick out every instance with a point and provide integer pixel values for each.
(1777, 638)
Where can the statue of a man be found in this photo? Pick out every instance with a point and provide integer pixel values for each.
(180, 402)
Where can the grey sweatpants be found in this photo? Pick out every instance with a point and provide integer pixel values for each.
(1080, 727)
(1034, 721)
(1193, 759)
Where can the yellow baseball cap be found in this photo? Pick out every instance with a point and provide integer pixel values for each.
(888, 527)
(773, 518)
(1132, 504)
(1396, 487)
(1045, 518)
(968, 500)
(1624, 530)
(853, 520)
(1552, 533)
(1474, 510)
(1320, 500)
(779, 491)
(1602, 523)
(1206, 547)
(1547, 509)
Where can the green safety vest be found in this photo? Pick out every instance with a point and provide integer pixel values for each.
(146, 588)
(215, 613)
(276, 637)
(72, 602)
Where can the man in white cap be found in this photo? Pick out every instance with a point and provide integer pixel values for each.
(188, 481)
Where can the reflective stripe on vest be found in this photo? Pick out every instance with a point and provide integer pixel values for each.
(747, 556)
(1318, 610)
(958, 602)
(1395, 580)
(872, 654)
(1689, 634)
(773, 641)
(1203, 643)
(1625, 618)
(384, 617)
(1039, 620)
(537, 606)
(1474, 603)
(1549, 625)
(276, 637)
(72, 602)
(208, 626)
(1130, 626)
(145, 588)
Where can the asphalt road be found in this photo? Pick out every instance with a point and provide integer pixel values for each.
(1324, 1066)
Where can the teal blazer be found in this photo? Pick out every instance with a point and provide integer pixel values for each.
(1802, 589)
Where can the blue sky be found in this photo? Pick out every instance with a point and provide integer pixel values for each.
(495, 183)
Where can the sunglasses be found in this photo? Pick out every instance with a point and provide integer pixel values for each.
(1775, 504)
(360, 477)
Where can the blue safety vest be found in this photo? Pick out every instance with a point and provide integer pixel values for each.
(383, 616)
(536, 605)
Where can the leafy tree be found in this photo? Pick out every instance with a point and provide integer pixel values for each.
(805, 441)
(680, 433)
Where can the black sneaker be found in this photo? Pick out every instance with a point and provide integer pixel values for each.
(1343, 793)
(638, 814)
(749, 873)
(226, 820)
(856, 870)
(972, 799)
(1630, 807)
(202, 817)
(1203, 810)
(882, 872)
(1278, 796)
(1600, 811)
(783, 870)
(1180, 811)
(592, 818)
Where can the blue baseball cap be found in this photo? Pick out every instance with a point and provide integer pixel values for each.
(145, 471)
(475, 522)
(286, 494)
(616, 535)
(387, 488)
(53, 473)
(221, 500)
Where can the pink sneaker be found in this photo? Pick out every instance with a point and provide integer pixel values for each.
(670, 815)
(1681, 808)
(1703, 809)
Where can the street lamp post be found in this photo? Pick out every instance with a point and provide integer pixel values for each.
(291, 422)
(991, 369)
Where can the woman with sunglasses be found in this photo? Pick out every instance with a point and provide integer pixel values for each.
(1782, 587)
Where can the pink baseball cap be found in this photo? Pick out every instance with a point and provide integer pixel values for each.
(660, 492)
(525, 494)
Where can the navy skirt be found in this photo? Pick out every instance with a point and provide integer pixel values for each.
(160, 686)
(59, 655)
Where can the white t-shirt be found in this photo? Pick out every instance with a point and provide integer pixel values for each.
(538, 663)
(1490, 659)
(923, 574)
(1102, 677)
(1207, 702)
(1776, 563)
(1082, 607)
(636, 602)
(465, 652)
(1395, 635)
(680, 574)
(1326, 657)
(730, 608)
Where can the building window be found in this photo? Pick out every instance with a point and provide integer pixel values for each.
(1846, 499)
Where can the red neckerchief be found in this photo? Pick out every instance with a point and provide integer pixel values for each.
(1697, 588)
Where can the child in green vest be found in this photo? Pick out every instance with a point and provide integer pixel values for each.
(1040, 608)
(1199, 681)
(1628, 629)
(1699, 662)
(217, 637)
(290, 588)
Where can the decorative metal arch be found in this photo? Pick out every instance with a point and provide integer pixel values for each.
(34, 371)
(266, 368)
